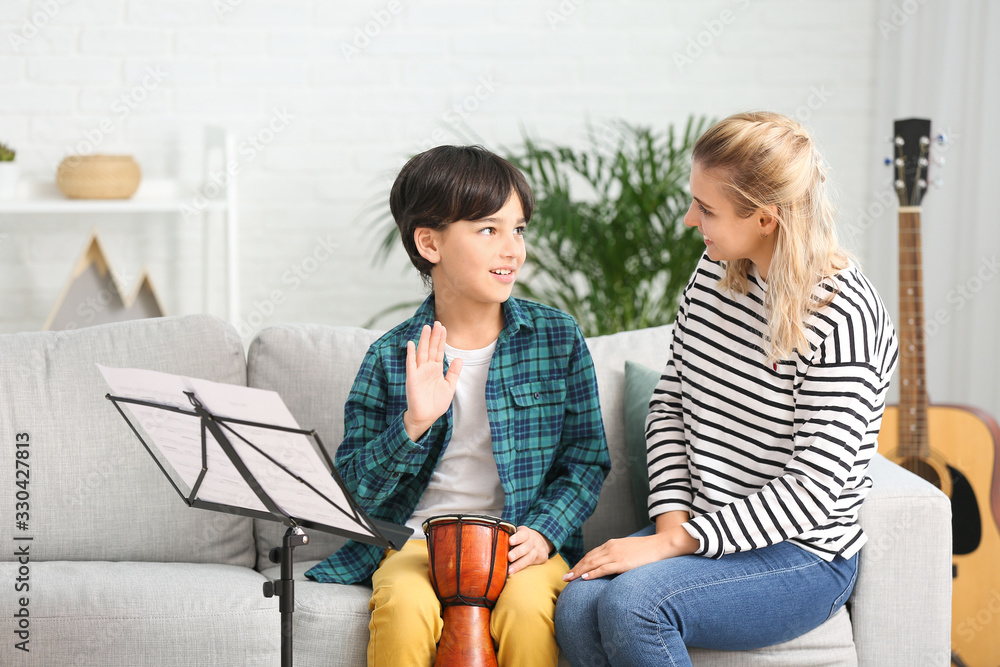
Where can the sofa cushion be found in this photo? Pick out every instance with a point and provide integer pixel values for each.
(640, 381)
(615, 515)
(829, 645)
(133, 614)
(94, 492)
(312, 367)
(321, 607)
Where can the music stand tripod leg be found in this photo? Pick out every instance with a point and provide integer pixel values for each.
(284, 587)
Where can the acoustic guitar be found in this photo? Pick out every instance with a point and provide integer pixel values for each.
(954, 447)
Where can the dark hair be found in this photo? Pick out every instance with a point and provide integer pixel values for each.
(451, 183)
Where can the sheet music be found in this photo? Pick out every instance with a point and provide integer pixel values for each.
(178, 438)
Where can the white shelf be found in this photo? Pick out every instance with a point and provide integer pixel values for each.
(153, 196)
(158, 196)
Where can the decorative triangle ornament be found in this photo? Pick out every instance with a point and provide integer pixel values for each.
(94, 295)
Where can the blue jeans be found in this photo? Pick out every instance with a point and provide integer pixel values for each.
(741, 601)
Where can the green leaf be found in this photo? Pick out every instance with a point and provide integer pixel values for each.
(615, 254)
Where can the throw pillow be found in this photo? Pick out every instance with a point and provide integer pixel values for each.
(640, 381)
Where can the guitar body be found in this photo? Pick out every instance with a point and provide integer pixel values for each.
(964, 445)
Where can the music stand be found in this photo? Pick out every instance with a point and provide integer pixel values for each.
(290, 491)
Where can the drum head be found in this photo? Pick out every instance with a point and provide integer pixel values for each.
(481, 519)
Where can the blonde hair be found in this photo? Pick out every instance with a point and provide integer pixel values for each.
(765, 159)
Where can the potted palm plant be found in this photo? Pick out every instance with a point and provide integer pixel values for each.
(607, 241)
(9, 172)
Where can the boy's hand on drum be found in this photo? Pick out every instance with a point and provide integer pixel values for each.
(429, 391)
(527, 547)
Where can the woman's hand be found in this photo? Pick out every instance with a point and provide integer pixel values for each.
(527, 547)
(429, 391)
(617, 556)
(627, 553)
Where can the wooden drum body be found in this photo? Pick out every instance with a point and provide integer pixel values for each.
(467, 559)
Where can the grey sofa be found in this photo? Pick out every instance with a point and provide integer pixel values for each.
(120, 572)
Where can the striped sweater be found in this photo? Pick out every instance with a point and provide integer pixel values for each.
(759, 454)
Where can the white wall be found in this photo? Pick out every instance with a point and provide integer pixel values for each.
(939, 61)
(484, 69)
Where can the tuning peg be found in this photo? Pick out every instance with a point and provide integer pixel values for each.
(941, 139)
(937, 182)
(923, 162)
(887, 161)
(900, 185)
(924, 141)
(939, 160)
(899, 141)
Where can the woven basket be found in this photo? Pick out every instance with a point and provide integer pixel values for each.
(98, 176)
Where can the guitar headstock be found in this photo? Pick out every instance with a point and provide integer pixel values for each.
(912, 142)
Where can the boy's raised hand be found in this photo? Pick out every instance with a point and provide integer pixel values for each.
(429, 391)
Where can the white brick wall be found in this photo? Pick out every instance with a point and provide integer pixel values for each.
(550, 66)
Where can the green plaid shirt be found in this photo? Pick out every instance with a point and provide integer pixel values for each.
(545, 423)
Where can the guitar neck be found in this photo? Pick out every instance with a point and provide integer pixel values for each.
(913, 441)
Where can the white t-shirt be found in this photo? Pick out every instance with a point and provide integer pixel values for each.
(466, 480)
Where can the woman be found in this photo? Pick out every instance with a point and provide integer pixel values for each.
(761, 428)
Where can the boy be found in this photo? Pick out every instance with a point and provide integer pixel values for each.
(512, 429)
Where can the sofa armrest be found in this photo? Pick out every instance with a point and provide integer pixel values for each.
(901, 605)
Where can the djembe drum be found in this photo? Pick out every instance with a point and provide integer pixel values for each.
(467, 559)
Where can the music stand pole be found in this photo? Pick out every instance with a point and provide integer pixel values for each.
(284, 587)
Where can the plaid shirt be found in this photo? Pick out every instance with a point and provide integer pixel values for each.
(545, 423)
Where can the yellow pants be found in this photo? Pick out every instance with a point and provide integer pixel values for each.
(406, 614)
